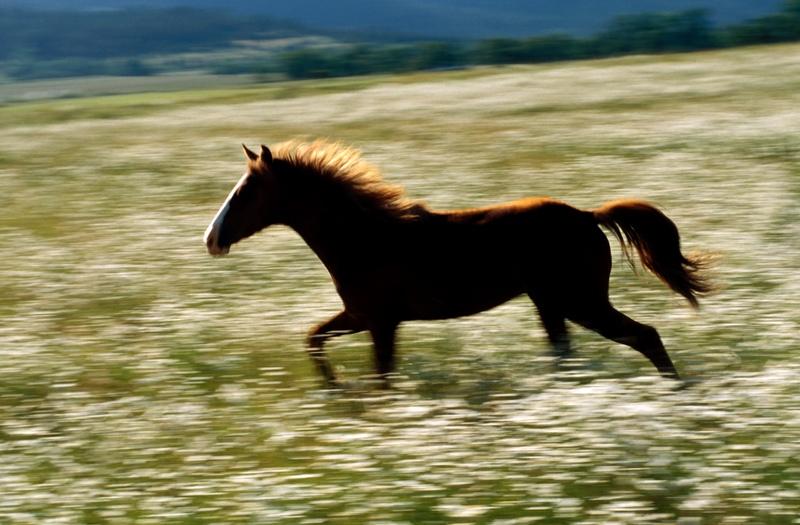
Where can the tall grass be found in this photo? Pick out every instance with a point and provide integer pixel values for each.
(144, 382)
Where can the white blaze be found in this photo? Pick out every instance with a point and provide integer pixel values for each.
(211, 236)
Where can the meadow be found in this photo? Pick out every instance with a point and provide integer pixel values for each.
(144, 382)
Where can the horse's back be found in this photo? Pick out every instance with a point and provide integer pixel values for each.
(532, 229)
(461, 262)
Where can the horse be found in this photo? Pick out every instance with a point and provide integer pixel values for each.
(393, 259)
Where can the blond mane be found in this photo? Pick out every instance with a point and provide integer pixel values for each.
(344, 165)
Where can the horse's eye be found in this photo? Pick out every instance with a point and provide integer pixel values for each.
(247, 191)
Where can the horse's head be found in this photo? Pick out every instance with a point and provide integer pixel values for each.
(250, 206)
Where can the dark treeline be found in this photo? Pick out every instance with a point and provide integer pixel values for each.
(642, 33)
(38, 44)
(364, 59)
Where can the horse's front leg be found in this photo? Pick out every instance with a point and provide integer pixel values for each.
(383, 340)
(340, 324)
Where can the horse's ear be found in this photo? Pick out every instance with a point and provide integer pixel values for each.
(266, 155)
(250, 154)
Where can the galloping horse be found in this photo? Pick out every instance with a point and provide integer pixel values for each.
(395, 260)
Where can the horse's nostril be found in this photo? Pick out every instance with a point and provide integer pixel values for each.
(210, 239)
(213, 245)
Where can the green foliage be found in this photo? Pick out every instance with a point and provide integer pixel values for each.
(780, 27)
(499, 51)
(362, 59)
(643, 33)
(308, 63)
(548, 48)
(554, 48)
(437, 55)
(656, 33)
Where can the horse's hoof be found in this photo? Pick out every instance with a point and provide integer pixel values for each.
(686, 383)
(332, 385)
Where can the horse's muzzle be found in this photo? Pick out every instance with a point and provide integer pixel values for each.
(211, 238)
(217, 250)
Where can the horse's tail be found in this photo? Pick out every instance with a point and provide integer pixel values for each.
(655, 237)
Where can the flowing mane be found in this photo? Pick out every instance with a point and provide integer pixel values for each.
(344, 166)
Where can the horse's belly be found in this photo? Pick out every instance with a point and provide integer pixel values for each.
(456, 294)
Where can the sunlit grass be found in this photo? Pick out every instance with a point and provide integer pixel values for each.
(53, 101)
(144, 382)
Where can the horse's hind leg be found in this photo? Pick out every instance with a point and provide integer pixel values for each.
(614, 325)
(340, 324)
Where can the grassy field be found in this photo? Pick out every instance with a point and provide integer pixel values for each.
(145, 382)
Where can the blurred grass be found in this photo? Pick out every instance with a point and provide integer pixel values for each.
(144, 382)
(56, 101)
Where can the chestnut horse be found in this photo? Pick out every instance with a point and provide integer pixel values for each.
(394, 260)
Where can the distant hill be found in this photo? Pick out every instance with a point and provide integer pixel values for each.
(106, 37)
(462, 19)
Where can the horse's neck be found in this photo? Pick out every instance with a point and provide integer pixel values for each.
(337, 232)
